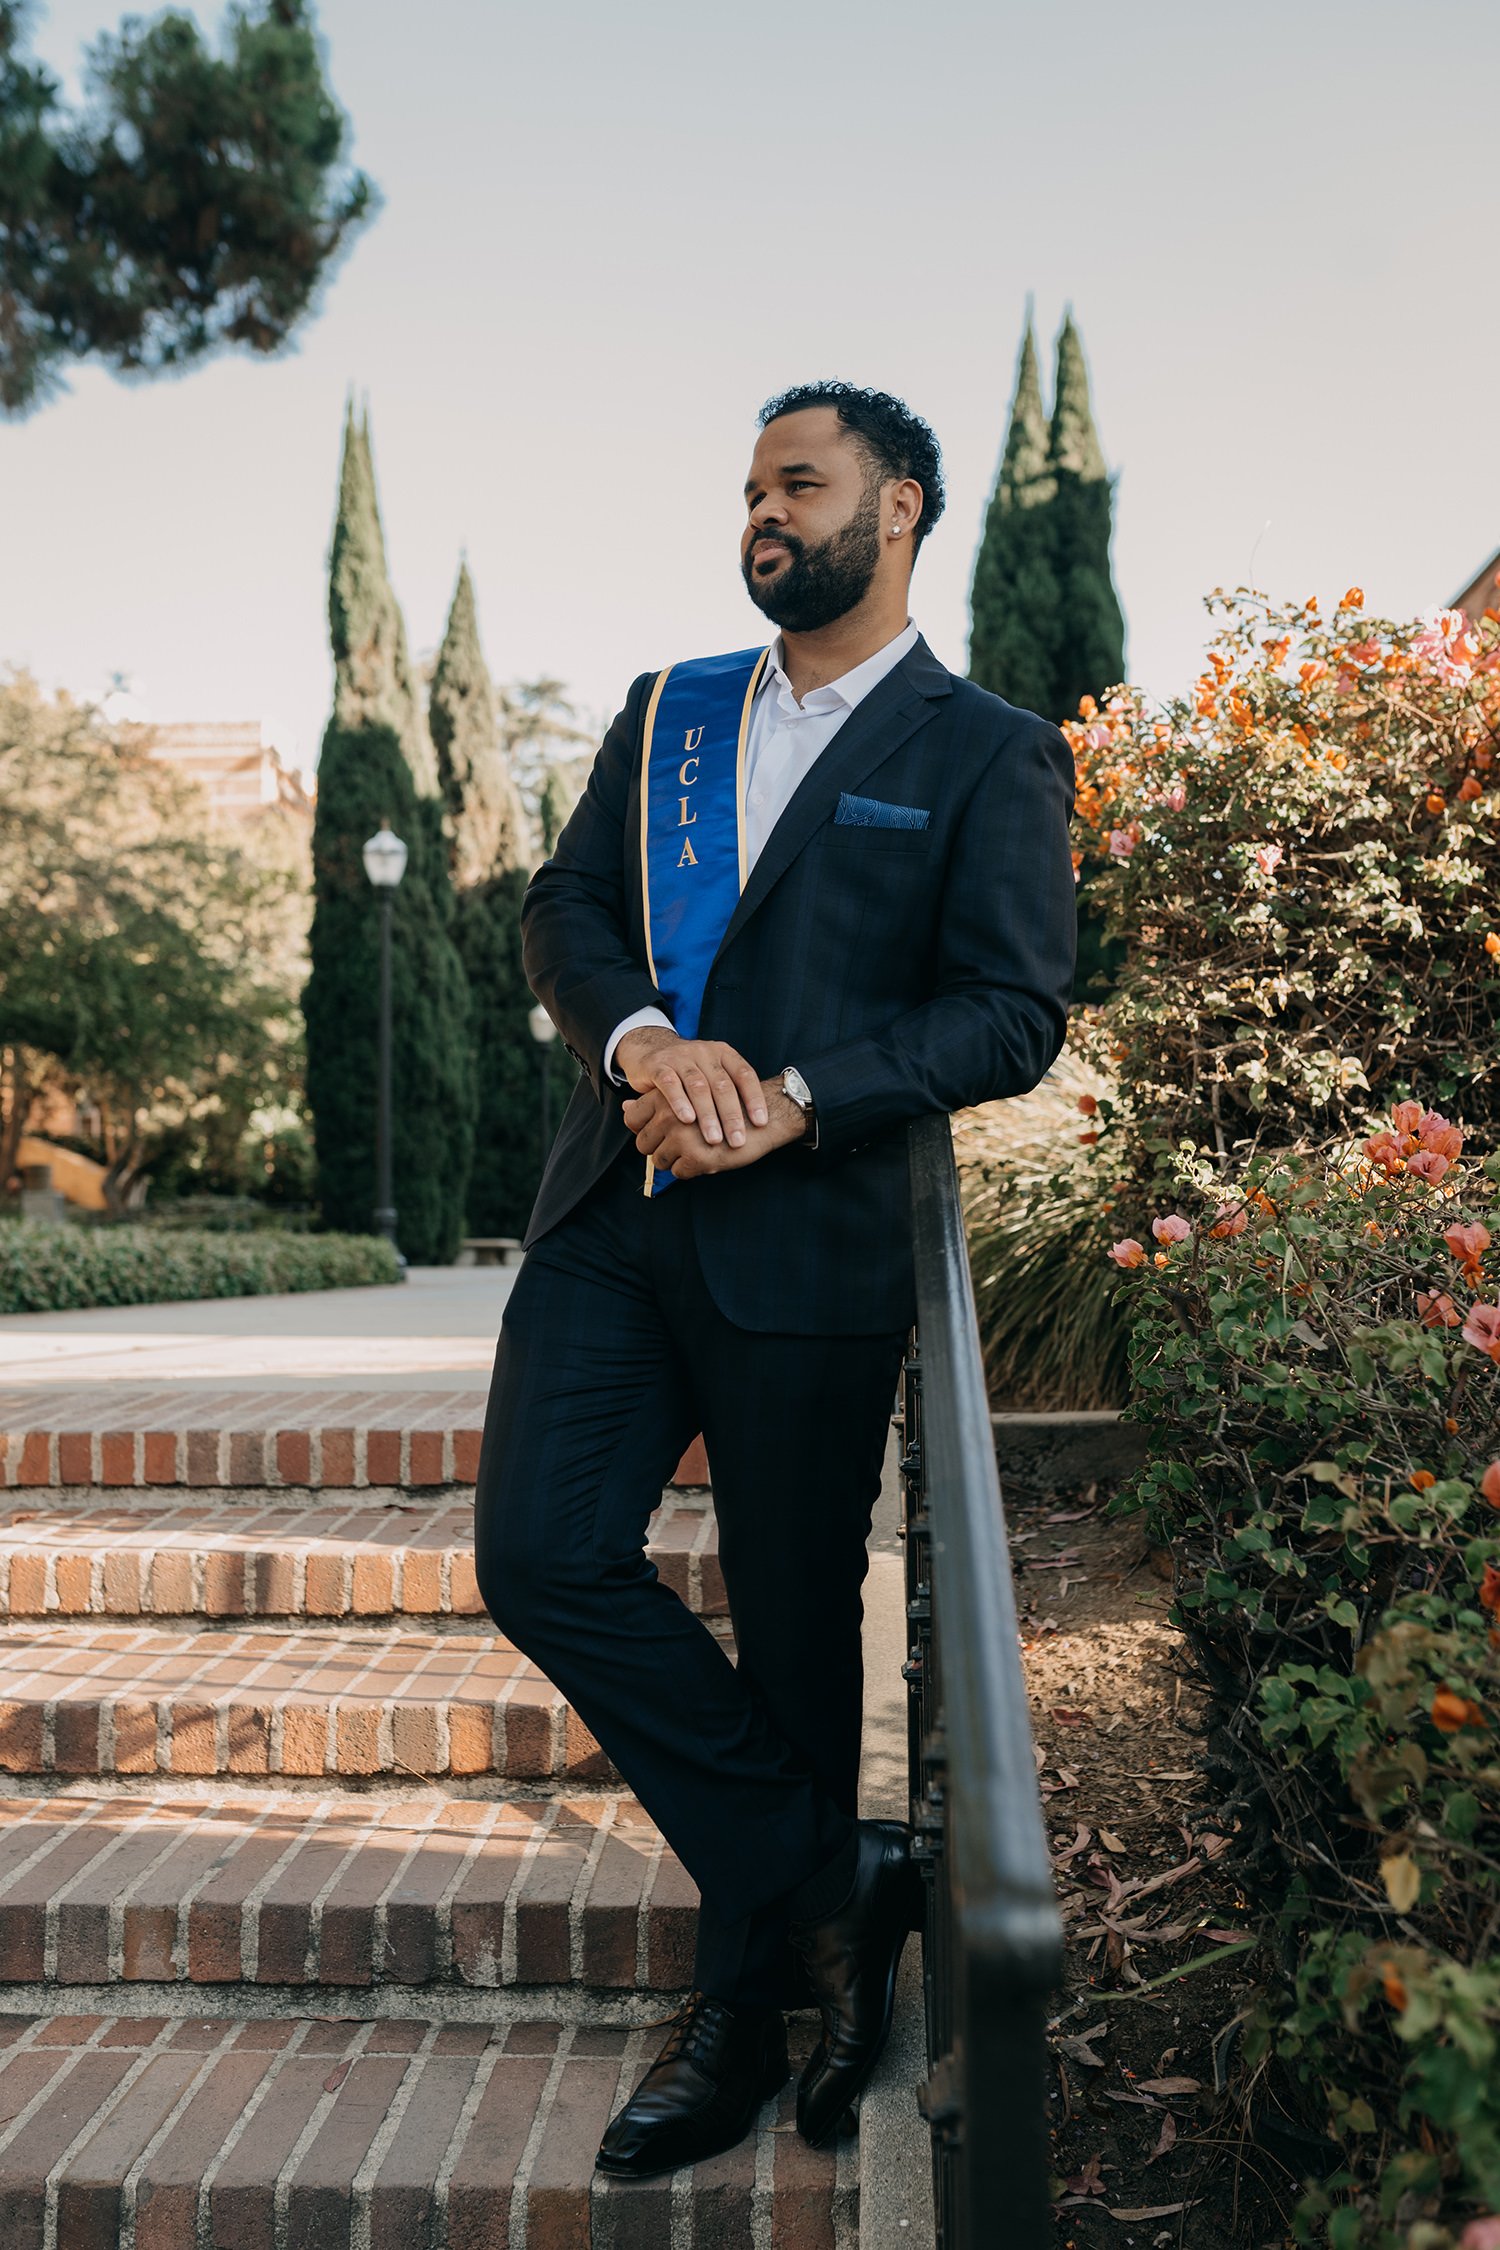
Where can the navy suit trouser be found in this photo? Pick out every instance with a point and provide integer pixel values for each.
(611, 1357)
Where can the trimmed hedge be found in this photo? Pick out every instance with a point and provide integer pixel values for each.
(63, 1268)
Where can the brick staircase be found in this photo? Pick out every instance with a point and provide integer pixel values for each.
(324, 1922)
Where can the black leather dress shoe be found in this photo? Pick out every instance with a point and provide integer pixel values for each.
(852, 1959)
(702, 2092)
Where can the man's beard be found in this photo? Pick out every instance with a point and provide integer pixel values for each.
(821, 583)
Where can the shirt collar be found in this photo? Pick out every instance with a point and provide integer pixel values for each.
(845, 693)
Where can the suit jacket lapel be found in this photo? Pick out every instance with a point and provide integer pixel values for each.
(890, 713)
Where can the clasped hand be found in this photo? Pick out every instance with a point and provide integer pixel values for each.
(697, 1105)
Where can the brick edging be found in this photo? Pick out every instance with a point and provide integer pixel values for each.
(336, 1456)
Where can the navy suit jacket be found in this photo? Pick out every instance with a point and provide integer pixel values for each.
(903, 970)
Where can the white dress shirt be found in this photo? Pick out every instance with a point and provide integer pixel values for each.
(785, 741)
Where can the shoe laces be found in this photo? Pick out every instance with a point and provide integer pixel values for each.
(694, 2029)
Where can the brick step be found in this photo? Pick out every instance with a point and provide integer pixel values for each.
(227, 1561)
(352, 1704)
(86, 1434)
(340, 1891)
(316, 2135)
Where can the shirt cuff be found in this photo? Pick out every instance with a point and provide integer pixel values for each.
(637, 1022)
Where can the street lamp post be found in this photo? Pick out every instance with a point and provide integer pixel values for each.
(385, 864)
(544, 1032)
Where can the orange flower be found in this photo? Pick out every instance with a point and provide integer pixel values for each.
(1229, 1220)
(1354, 599)
(1451, 1712)
(1375, 1230)
(1088, 1140)
(1422, 1480)
(1406, 1116)
(1468, 1244)
(1492, 945)
(1391, 1984)
(1469, 789)
(1089, 1105)
(1310, 674)
(1087, 707)
(1338, 760)
(1384, 1149)
(1437, 1310)
(1489, 1484)
(1128, 1253)
(1310, 606)
(1440, 1137)
(1436, 804)
(1489, 1590)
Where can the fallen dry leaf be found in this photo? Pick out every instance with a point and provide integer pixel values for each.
(1110, 1841)
(1067, 1718)
(1402, 1878)
(1152, 2210)
(1077, 2049)
(1088, 2181)
(1166, 2139)
(1171, 2086)
(335, 2078)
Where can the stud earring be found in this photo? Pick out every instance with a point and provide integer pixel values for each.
(895, 531)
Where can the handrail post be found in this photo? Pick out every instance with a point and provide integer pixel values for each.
(992, 1945)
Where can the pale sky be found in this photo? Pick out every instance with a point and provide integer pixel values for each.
(610, 231)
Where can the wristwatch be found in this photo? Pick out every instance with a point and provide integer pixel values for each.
(796, 1089)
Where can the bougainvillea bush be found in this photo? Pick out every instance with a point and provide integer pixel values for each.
(1316, 1354)
(1299, 866)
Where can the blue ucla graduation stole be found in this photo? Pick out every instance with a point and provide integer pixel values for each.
(693, 827)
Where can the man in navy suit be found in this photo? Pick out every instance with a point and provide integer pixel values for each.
(894, 937)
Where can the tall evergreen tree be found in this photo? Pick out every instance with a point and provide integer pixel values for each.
(486, 820)
(366, 774)
(373, 681)
(488, 845)
(1090, 649)
(1015, 628)
(508, 1150)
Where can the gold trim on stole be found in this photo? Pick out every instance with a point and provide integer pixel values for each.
(751, 691)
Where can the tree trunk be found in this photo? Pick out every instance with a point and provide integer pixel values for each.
(15, 1078)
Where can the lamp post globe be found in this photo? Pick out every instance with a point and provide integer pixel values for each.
(385, 858)
(385, 864)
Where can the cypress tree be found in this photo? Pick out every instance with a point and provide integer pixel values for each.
(1091, 639)
(369, 770)
(508, 1149)
(487, 840)
(1015, 624)
(487, 825)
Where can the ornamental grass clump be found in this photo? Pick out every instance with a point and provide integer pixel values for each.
(1316, 1356)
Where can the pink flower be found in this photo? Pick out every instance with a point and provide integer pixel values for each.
(1268, 858)
(1480, 2234)
(1098, 737)
(1384, 1149)
(1406, 1116)
(1443, 644)
(1435, 1132)
(1121, 843)
(1171, 1229)
(1129, 1252)
(1482, 1329)
(1437, 1310)
(1230, 1219)
(1427, 1165)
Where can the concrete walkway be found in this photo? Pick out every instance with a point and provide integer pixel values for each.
(434, 1331)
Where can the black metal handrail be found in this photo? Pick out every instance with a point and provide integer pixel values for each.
(992, 1949)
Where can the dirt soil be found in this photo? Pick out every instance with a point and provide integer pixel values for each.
(1147, 2150)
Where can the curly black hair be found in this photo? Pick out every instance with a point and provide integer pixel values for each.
(896, 442)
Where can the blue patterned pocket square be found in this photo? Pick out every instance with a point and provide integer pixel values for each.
(870, 812)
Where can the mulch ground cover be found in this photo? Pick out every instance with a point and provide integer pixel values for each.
(1149, 2147)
